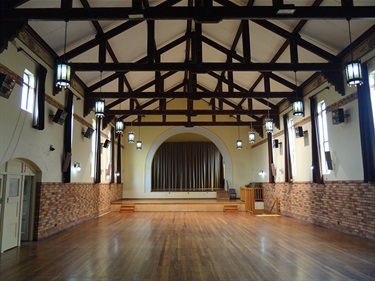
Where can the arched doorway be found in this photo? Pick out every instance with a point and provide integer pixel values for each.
(18, 179)
(207, 134)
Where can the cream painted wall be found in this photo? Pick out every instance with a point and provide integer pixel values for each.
(18, 139)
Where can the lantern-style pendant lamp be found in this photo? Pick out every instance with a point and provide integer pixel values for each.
(139, 144)
(239, 144)
(63, 75)
(251, 137)
(99, 108)
(119, 126)
(269, 125)
(131, 137)
(63, 69)
(297, 107)
(353, 71)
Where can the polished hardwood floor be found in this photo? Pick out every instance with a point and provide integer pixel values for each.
(192, 246)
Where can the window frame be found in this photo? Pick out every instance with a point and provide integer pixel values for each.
(323, 136)
(28, 92)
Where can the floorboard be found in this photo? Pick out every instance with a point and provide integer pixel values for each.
(192, 246)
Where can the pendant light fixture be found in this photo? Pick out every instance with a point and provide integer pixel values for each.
(353, 71)
(239, 141)
(100, 104)
(297, 106)
(119, 125)
(63, 68)
(251, 134)
(139, 142)
(131, 134)
(269, 121)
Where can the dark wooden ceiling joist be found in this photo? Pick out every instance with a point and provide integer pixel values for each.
(206, 14)
(256, 125)
(190, 111)
(205, 67)
(196, 95)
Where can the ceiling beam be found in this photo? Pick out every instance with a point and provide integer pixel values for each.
(207, 14)
(205, 67)
(196, 95)
(256, 126)
(192, 112)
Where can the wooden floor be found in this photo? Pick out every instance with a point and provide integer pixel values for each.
(192, 246)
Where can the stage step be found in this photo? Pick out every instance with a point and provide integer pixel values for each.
(230, 208)
(127, 209)
(222, 195)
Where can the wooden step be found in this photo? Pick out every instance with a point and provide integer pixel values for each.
(230, 208)
(127, 209)
(220, 195)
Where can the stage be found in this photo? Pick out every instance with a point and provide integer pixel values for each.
(179, 205)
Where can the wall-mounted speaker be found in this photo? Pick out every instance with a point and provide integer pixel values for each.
(106, 143)
(275, 143)
(6, 85)
(88, 133)
(299, 132)
(59, 116)
(338, 116)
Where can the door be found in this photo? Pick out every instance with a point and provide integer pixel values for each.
(12, 212)
(26, 208)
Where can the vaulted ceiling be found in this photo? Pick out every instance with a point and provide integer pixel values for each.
(222, 58)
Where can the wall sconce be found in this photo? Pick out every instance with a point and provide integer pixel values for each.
(261, 173)
(77, 166)
(51, 148)
(117, 173)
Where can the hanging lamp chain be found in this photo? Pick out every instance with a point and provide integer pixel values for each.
(66, 33)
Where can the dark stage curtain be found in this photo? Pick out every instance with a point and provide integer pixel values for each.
(187, 166)
(118, 166)
(98, 153)
(315, 149)
(367, 128)
(287, 162)
(38, 116)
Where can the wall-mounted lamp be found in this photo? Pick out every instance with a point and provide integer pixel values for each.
(262, 173)
(117, 173)
(51, 148)
(77, 166)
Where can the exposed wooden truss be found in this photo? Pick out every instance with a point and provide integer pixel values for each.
(196, 14)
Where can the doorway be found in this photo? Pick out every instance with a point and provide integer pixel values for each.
(17, 203)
